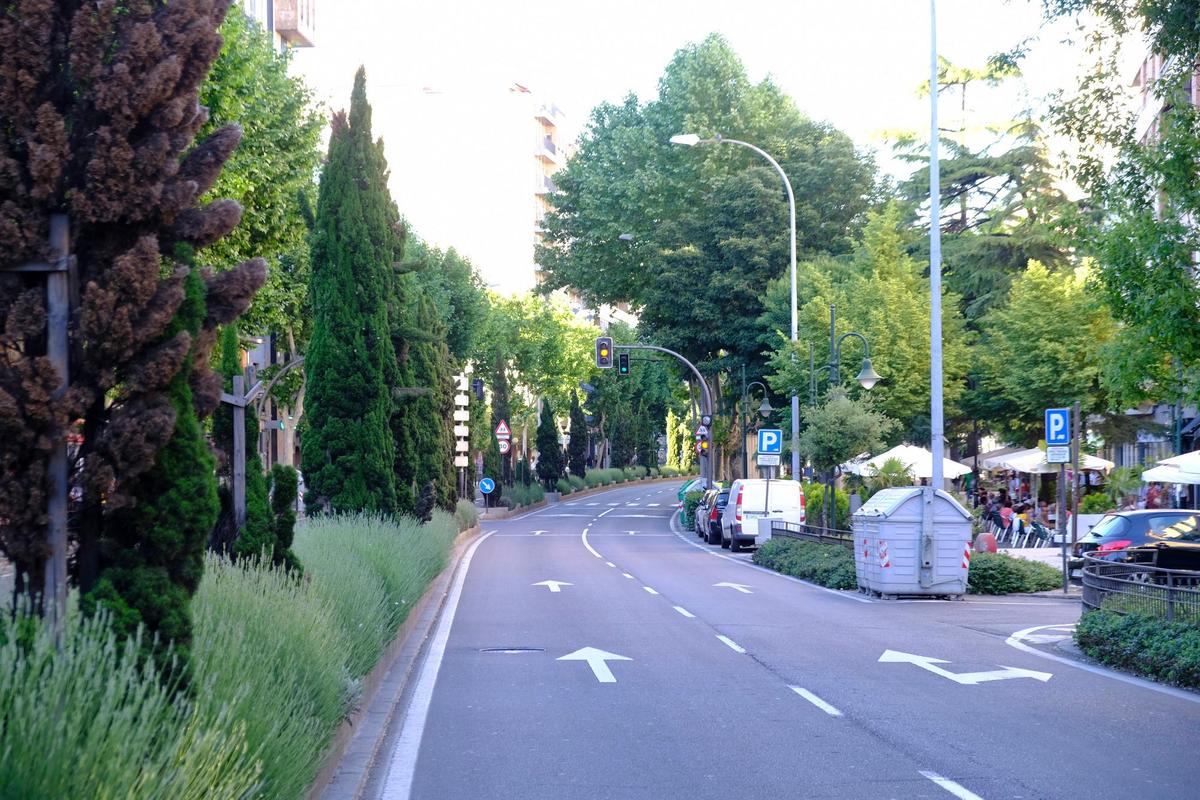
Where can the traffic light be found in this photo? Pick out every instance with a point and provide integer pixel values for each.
(604, 350)
(703, 444)
(623, 364)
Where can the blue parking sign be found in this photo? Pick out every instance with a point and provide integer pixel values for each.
(1058, 426)
(770, 440)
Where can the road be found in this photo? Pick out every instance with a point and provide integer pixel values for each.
(718, 679)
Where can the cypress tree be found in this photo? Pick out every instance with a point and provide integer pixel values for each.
(351, 364)
(622, 437)
(577, 447)
(500, 411)
(647, 442)
(550, 454)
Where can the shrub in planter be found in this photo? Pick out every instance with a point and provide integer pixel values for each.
(669, 472)
(1095, 503)
(690, 501)
(1146, 645)
(577, 483)
(654, 472)
(998, 573)
(594, 478)
(466, 514)
(563, 486)
(614, 475)
(828, 565)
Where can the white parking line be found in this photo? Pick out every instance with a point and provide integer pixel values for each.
(649, 590)
(816, 701)
(734, 646)
(685, 612)
(956, 789)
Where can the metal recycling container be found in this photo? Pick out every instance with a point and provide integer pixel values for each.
(891, 556)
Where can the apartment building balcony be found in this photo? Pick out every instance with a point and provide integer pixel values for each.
(548, 113)
(548, 151)
(296, 21)
(545, 186)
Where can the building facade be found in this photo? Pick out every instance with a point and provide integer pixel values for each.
(291, 23)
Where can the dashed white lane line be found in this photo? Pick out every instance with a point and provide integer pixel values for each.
(816, 701)
(653, 505)
(612, 504)
(649, 590)
(685, 612)
(627, 575)
(611, 564)
(956, 789)
(593, 504)
(734, 646)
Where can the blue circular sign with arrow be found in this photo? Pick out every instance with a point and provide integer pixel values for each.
(487, 485)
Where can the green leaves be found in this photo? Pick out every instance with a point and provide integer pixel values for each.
(840, 429)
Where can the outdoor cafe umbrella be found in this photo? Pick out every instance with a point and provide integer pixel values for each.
(1033, 461)
(918, 460)
(1168, 473)
(1188, 462)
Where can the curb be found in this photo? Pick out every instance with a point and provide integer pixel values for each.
(357, 744)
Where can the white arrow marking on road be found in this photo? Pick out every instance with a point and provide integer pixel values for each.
(965, 678)
(596, 660)
(553, 586)
(740, 587)
(539, 533)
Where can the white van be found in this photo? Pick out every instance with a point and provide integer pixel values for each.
(752, 504)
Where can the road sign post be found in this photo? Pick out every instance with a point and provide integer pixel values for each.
(1058, 451)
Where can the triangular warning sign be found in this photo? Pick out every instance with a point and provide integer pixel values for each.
(502, 430)
(701, 430)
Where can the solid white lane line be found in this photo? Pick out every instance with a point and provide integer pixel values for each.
(1016, 641)
(956, 789)
(588, 544)
(816, 701)
(648, 589)
(398, 783)
(611, 564)
(734, 646)
(685, 612)
(627, 575)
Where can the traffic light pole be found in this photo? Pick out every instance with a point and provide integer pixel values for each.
(706, 406)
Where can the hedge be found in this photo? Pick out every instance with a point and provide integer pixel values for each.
(828, 565)
(278, 664)
(1144, 645)
(998, 573)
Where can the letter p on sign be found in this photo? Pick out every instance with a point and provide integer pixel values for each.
(1058, 426)
(770, 440)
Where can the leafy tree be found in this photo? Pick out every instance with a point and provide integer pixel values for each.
(111, 143)
(577, 447)
(351, 364)
(550, 465)
(712, 219)
(841, 428)
(646, 443)
(1042, 349)
(458, 293)
(622, 438)
(270, 174)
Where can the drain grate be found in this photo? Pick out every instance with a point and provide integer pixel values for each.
(512, 650)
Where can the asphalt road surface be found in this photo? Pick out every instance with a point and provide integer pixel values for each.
(654, 666)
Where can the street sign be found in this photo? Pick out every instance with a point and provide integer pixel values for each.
(502, 430)
(770, 440)
(1058, 426)
(768, 459)
(461, 382)
(461, 415)
(505, 445)
(462, 430)
(706, 420)
(1058, 454)
(487, 485)
(702, 431)
(461, 461)
(462, 400)
(462, 445)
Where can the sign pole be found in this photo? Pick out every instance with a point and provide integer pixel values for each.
(1062, 522)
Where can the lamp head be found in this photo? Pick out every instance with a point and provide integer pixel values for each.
(765, 409)
(686, 139)
(867, 376)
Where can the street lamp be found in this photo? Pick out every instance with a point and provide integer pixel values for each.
(691, 140)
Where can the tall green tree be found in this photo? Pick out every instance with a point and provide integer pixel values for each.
(271, 173)
(712, 218)
(550, 466)
(350, 366)
(500, 412)
(577, 447)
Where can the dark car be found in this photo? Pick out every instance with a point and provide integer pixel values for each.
(1112, 536)
(700, 514)
(712, 521)
(1174, 546)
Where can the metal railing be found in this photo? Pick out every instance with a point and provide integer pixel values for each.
(812, 533)
(1172, 594)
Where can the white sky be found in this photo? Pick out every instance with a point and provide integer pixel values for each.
(855, 63)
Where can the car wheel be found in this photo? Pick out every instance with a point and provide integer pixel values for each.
(712, 538)
(734, 547)
(724, 543)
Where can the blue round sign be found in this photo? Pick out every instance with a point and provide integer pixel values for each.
(487, 485)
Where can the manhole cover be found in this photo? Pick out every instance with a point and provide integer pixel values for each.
(512, 650)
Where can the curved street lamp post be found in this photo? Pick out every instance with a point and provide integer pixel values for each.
(691, 140)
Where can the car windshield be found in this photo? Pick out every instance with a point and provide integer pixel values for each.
(1176, 527)
(1111, 527)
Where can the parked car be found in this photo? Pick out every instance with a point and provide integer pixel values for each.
(755, 501)
(1172, 546)
(1118, 531)
(712, 520)
(703, 509)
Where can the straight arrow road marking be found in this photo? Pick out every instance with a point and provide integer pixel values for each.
(597, 660)
(539, 533)
(554, 586)
(964, 678)
(632, 533)
(738, 586)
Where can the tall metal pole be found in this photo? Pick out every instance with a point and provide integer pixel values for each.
(745, 424)
(935, 263)
(54, 596)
